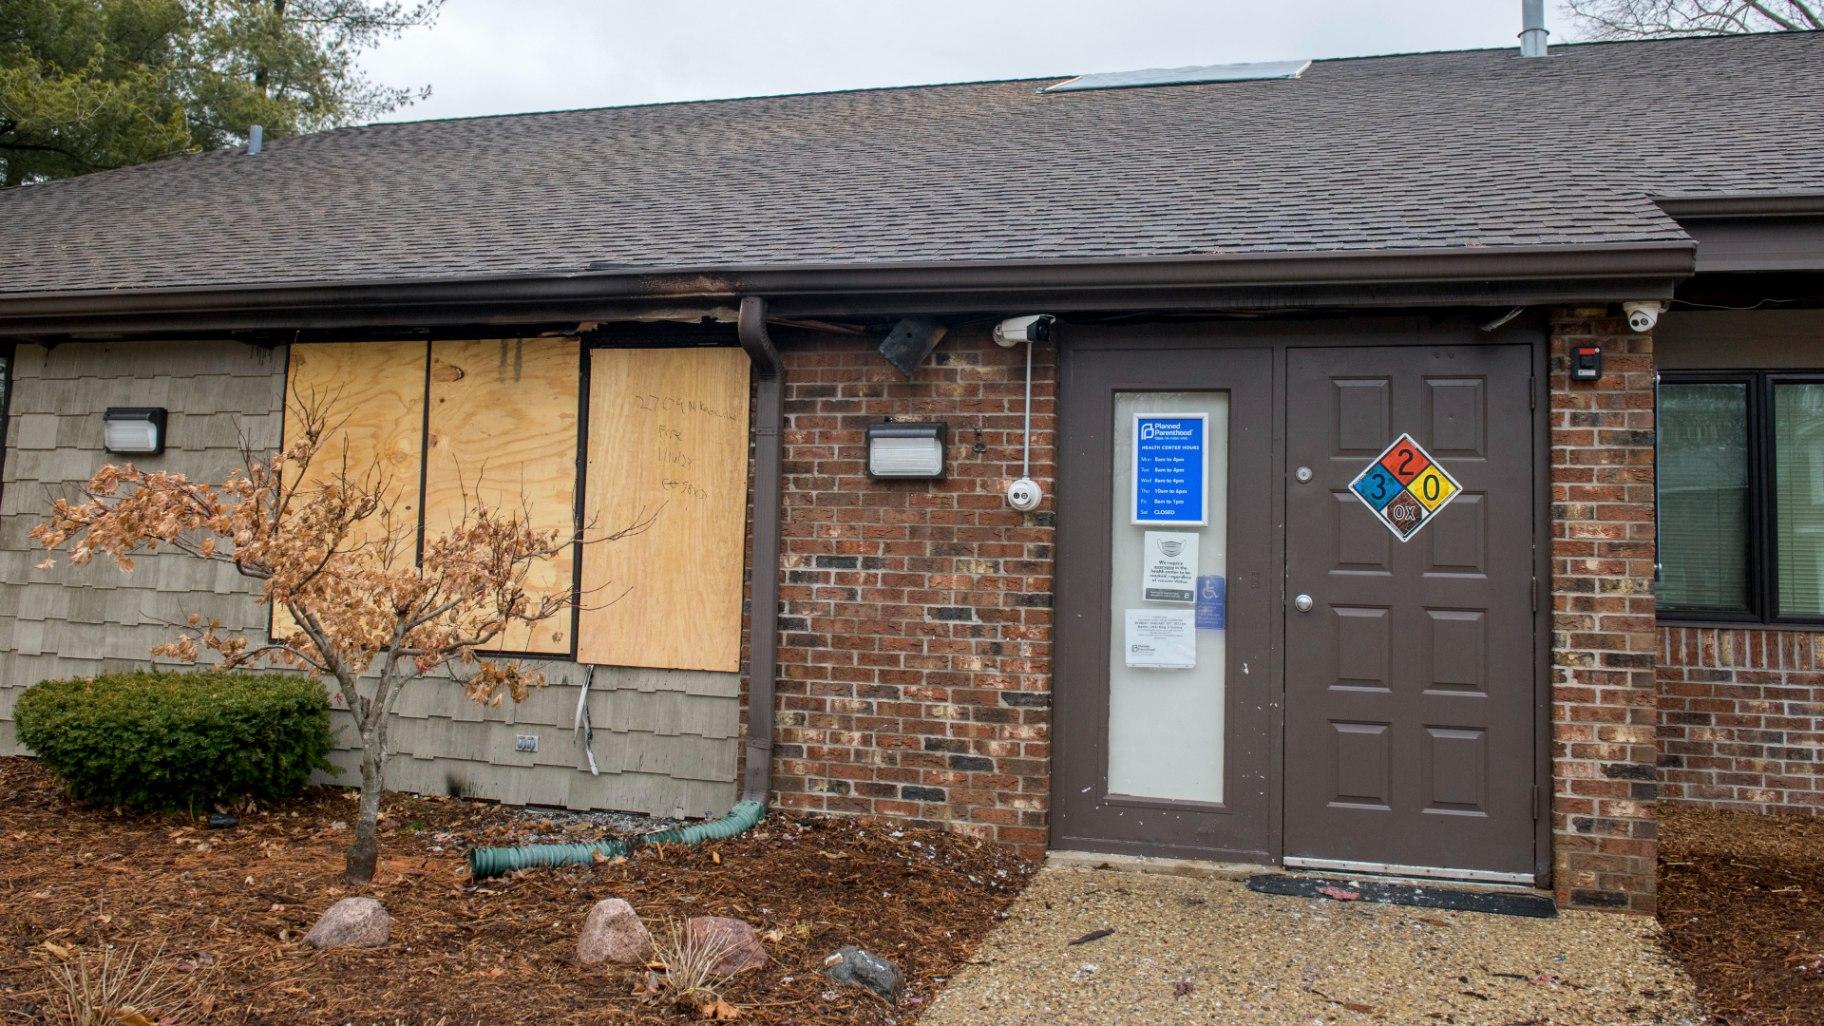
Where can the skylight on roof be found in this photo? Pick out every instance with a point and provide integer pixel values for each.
(1146, 77)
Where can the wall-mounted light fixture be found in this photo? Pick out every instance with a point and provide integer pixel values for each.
(133, 430)
(906, 450)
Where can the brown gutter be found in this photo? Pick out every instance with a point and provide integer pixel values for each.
(763, 582)
(1750, 204)
(1752, 232)
(1209, 281)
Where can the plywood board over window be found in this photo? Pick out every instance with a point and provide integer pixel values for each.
(667, 441)
(373, 396)
(373, 393)
(503, 432)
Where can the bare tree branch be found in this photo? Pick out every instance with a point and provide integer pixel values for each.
(1650, 19)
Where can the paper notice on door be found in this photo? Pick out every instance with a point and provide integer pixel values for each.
(1161, 639)
(1170, 568)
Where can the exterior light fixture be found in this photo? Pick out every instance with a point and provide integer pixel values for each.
(905, 451)
(134, 430)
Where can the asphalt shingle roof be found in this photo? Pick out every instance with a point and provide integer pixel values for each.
(1440, 150)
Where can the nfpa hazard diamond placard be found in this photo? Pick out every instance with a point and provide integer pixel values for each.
(1405, 487)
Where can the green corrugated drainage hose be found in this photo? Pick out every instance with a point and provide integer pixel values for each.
(486, 862)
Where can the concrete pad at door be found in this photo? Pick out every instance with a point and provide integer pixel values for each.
(1211, 951)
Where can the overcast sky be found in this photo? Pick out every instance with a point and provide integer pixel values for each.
(505, 56)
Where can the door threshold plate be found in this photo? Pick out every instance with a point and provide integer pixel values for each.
(1483, 876)
(1506, 903)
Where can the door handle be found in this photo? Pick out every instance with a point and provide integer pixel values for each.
(1302, 603)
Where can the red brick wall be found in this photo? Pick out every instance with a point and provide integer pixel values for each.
(914, 665)
(915, 676)
(1741, 718)
(1603, 632)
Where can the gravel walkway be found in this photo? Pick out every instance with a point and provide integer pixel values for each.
(1211, 951)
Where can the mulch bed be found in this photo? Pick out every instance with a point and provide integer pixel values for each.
(1741, 906)
(229, 907)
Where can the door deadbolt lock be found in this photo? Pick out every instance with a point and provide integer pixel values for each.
(1302, 603)
(1303, 474)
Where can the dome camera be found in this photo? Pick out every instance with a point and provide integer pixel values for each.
(1642, 316)
(1025, 495)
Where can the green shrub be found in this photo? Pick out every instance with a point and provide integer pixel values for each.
(177, 740)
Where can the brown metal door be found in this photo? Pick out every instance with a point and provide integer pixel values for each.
(1089, 811)
(1410, 701)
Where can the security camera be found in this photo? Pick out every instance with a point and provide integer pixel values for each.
(1025, 495)
(1019, 330)
(1642, 315)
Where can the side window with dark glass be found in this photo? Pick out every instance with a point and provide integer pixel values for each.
(1741, 496)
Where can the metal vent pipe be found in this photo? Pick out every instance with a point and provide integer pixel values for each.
(1532, 28)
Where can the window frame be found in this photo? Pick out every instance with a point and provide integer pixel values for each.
(1762, 549)
(8, 354)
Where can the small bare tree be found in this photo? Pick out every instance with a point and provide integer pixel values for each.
(332, 552)
(1652, 19)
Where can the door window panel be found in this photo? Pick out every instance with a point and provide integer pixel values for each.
(1165, 726)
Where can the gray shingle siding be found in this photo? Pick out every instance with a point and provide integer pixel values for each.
(664, 741)
(71, 621)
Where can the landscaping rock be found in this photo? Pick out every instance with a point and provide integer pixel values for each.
(351, 922)
(744, 948)
(858, 967)
(613, 933)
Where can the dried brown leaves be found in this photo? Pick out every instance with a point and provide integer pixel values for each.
(232, 905)
(334, 551)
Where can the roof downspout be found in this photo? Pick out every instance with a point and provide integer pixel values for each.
(1532, 28)
(763, 593)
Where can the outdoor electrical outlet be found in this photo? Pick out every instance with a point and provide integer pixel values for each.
(525, 742)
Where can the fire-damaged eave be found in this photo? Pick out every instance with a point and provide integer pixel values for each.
(1381, 278)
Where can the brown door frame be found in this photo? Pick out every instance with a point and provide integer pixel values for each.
(1449, 328)
(1230, 829)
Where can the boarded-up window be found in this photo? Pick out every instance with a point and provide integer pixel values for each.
(667, 440)
(503, 432)
(502, 423)
(373, 395)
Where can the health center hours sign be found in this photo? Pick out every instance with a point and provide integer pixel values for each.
(1171, 469)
